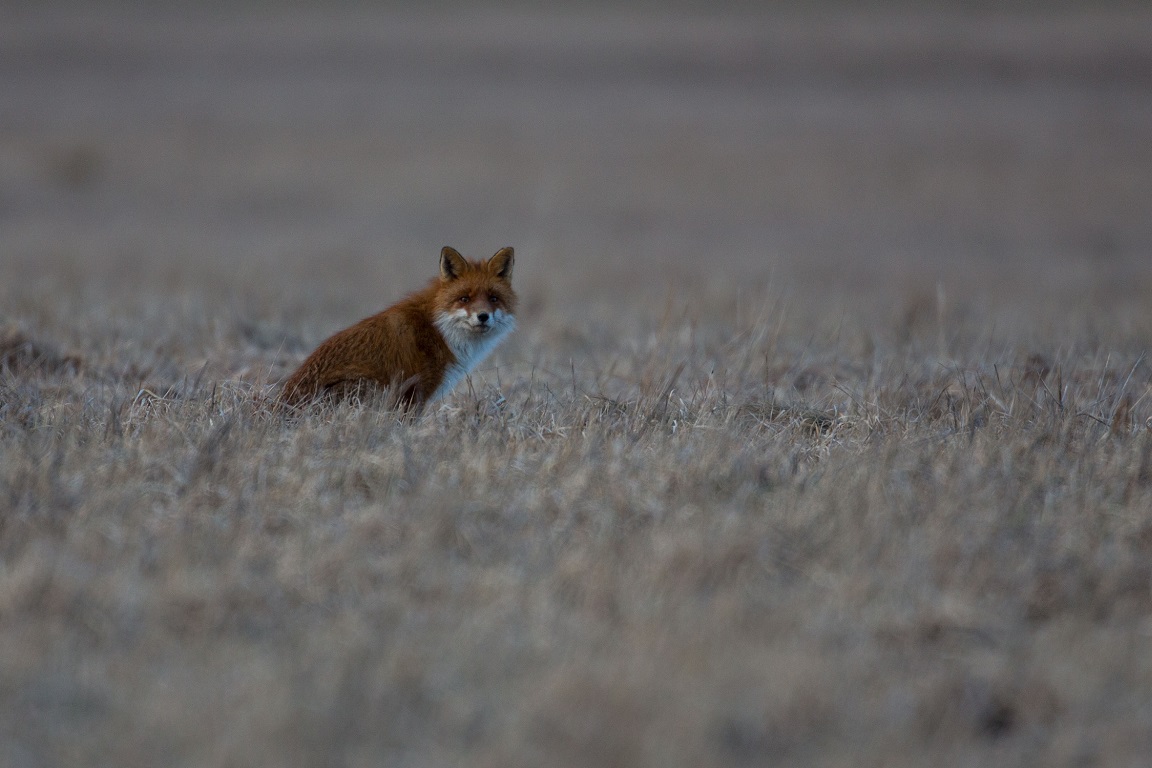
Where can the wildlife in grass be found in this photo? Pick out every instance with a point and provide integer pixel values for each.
(421, 347)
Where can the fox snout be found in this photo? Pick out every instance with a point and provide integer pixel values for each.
(482, 321)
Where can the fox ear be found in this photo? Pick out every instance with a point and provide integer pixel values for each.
(452, 264)
(501, 263)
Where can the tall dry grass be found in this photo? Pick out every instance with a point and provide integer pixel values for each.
(689, 551)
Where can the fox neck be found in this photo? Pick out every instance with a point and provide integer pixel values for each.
(468, 347)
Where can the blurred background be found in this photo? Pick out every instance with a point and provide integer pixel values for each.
(303, 167)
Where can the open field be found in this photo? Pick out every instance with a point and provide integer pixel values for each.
(825, 440)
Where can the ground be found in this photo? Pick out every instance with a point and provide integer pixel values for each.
(825, 438)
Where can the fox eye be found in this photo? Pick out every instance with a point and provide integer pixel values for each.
(493, 299)
(464, 299)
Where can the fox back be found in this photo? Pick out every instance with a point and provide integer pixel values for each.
(422, 346)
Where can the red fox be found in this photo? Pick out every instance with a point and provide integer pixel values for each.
(423, 345)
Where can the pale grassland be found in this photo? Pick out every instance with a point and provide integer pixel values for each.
(731, 560)
(825, 439)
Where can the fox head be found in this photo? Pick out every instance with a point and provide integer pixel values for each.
(475, 300)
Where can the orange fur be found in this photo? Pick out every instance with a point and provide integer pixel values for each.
(420, 347)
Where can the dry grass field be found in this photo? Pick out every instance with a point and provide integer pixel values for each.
(825, 440)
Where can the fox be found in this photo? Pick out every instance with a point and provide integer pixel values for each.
(421, 347)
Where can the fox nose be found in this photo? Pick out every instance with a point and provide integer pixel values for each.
(482, 318)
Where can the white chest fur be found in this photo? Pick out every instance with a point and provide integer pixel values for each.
(468, 346)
